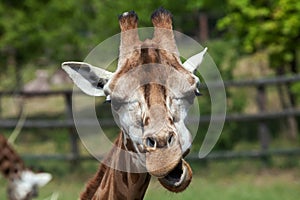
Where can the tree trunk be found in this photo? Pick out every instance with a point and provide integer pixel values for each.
(203, 27)
(286, 100)
(263, 130)
(294, 70)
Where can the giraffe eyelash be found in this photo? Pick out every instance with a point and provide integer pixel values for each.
(108, 99)
(197, 92)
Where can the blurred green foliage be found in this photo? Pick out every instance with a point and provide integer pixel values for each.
(54, 30)
(272, 25)
(44, 33)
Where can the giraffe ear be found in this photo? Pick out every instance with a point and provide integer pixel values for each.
(88, 78)
(193, 62)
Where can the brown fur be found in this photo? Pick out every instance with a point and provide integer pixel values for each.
(158, 94)
(105, 184)
(162, 18)
(128, 22)
(10, 162)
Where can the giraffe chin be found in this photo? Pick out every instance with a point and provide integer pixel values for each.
(179, 178)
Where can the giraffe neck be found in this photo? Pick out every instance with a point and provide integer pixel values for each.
(11, 165)
(112, 184)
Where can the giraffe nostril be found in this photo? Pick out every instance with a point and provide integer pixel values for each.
(170, 139)
(150, 142)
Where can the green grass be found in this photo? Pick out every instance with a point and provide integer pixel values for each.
(241, 185)
(242, 180)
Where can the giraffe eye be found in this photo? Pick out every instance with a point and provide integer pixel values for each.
(116, 103)
(133, 105)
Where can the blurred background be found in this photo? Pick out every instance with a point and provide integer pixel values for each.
(255, 45)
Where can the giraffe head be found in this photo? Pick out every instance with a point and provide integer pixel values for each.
(151, 92)
(24, 186)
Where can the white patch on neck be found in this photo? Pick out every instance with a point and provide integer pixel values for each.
(28, 182)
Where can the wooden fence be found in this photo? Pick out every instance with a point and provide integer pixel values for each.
(259, 117)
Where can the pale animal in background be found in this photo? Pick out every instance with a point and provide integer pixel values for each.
(23, 184)
(39, 84)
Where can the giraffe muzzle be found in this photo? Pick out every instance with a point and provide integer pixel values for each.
(163, 153)
(164, 159)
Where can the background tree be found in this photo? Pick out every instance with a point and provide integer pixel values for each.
(271, 26)
(46, 32)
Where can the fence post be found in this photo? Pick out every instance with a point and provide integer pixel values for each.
(263, 130)
(1, 114)
(72, 131)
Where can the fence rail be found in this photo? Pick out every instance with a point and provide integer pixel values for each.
(260, 117)
(256, 82)
(218, 155)
(69, 123)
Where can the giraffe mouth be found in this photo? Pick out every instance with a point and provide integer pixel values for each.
(179, 178)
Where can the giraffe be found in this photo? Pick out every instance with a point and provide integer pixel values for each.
(150, 93)
(23, 183)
